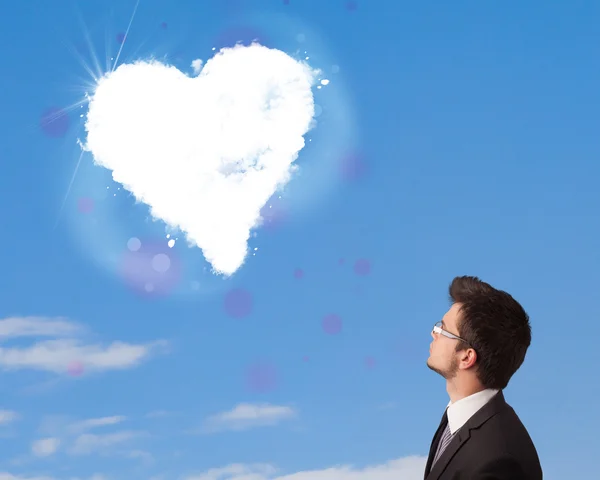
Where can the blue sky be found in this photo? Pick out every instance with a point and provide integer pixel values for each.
(476, 123)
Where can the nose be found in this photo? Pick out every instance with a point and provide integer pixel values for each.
(433, 335)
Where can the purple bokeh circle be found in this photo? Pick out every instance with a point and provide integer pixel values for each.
(244, 35)
(353, 167)
(121, 37)
(332, 324)
(54, 122)
(163, 25)
(298, 273)
(362, 267)
(85, 205)
(261, 377)
(238, 303)
(351, 5)
(151, 268)
(341, 261)
(75, 369)
(370, 362)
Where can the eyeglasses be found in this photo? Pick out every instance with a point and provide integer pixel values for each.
(437, 328)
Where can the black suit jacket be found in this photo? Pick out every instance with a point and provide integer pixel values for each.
(492, 445)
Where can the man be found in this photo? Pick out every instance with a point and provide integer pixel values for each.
(477, 347)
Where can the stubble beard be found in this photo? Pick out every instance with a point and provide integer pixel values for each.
(447, 373)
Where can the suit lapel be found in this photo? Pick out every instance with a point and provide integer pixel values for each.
(463, 435)
(436, 441)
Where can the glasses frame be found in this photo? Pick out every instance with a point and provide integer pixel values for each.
(437, 328)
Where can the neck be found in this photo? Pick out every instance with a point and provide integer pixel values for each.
(458, 390)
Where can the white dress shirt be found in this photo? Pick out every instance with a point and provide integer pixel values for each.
(459, 412)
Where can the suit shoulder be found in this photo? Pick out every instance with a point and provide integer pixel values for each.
(504, 436)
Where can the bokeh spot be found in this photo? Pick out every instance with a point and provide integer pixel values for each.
(238, 303)
(85, 205)
(134, 244)
(353, 167)
(75, 369)
(351, 5)
(298, 273)
(261, 377)
(362, 267)
(121, 37)
(332, 324)
(150, 268)
(161, 263)
(370, 362)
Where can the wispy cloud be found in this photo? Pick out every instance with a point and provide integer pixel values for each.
(78, 437)
(407, 468)
(57, 354)
(88, 424)
(8, 416)
(37, 327)
(89, 443)
(146, 457)
(238, 471)
(245, 416)
(45, 447)
(9, 476)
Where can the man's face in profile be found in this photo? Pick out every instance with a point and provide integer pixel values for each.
(443, 357)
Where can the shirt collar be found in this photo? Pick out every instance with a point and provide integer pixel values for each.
(460, 411)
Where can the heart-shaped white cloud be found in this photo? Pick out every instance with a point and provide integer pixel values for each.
(205, 153)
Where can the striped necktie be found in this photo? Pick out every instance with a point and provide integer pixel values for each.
(444, 441)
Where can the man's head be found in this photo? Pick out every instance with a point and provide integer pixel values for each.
(483, 337)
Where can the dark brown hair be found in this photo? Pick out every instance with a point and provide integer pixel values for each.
(495, 325)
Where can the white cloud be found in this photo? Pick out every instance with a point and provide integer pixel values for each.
(57, 354)
(197, 66)
(37, 327)
(9, 476)
(238, 471)
(88, 443)
(8, 416)
(206, 152)
(146, 457)
(95, 422)
(45, 447)
(78, 439)
(406, 468)
(245, 416)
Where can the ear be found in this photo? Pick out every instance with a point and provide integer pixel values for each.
(468, 358)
